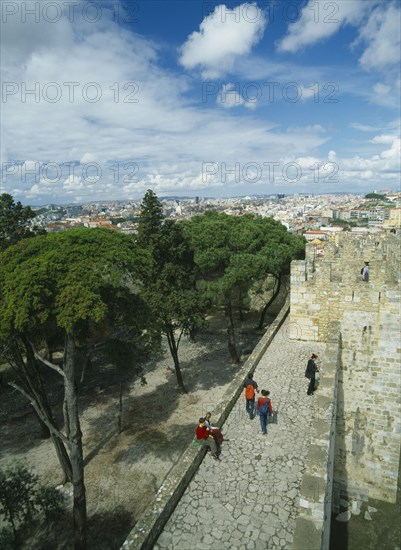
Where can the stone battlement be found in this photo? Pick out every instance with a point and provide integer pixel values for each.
(327, 287)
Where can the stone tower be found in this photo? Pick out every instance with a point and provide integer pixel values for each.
(327, 286)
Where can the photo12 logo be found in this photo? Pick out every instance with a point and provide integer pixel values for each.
(269, 172)
(31, 11)
(52, 173)
(53, 92)
(274, 10)
(239, 93)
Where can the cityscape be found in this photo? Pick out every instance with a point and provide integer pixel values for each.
(314, 216)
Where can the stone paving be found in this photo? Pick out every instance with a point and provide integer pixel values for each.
(248, 500)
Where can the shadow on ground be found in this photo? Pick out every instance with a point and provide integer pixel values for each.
(106, 531)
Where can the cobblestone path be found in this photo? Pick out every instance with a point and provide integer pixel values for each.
(248, 500)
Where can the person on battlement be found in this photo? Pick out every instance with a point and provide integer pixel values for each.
(365, 272)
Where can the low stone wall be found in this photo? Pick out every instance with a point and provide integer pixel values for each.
(151, 523)
(312, 529)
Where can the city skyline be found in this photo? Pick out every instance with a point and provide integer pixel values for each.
(104, 100)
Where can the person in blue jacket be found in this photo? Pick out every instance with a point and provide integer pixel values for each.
(264, 409)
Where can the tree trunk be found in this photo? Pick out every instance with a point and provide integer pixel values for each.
(228, 312)
(45, 432)
(48, 352)
(75, 444)
(240, 304)
(174, 354)
(87, 363)
(120, 409)
(63, 459)
(276, 291)
(34, 383)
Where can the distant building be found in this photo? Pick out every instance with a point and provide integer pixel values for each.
(394, 218)
(315, 234)
(99, 222)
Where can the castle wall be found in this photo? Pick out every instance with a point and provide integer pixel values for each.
(329, 288)
(312, 529)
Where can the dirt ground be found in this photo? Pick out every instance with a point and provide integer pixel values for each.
(124, 471)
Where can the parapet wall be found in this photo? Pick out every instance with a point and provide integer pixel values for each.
(329, 288)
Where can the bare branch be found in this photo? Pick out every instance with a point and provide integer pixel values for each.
(34, 404)
(179, 338)
(46, 362)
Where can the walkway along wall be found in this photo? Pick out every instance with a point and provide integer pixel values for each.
(151, 523)
(312, 529)
(329, 288)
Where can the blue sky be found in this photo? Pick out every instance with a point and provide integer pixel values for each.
(102, 100)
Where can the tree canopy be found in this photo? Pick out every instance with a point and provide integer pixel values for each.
(15, 221)
(75, 281)
(67, 276)
(376, 196)
(233, 252)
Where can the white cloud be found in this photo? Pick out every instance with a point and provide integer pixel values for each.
(387, 160)
(319, 20)
(363, 127)
(307, 92)
(381, 89)
(384, 138)
(378, 24)
(394, 151)
(223, 36)
(73, 183)
(309, 129)
(306, 162)
(35, 190)
(382, 36)
(30, 165)
(89, 157)
(229, 97)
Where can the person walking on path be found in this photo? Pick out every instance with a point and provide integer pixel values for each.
(205, 438)
(250, 388)
(310, 372)
(264, 409)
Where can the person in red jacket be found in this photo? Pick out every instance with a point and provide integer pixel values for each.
(204, 437)
(214, 430)
(264, 409)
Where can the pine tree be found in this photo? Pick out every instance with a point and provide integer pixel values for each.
(150, 219)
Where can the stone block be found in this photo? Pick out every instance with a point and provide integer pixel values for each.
(317, 460)
(318, 513)
(307, 535)
(312, 488)
(304, 503)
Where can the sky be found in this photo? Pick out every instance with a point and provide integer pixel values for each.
(102, 100)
